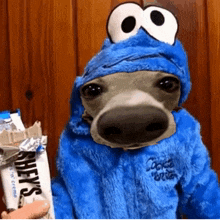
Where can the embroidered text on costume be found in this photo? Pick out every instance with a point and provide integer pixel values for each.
(161, 169)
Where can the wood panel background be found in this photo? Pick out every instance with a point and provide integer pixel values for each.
(44, 44)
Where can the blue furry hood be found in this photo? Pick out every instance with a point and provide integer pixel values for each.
(138, 53)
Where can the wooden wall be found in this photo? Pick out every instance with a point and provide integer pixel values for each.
(44, 44)
(214, 75)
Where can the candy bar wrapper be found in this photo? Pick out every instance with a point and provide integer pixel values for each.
(28, 178)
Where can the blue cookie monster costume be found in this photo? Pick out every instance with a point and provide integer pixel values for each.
(157, 181)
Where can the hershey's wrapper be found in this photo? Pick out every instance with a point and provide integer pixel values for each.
(26, 179)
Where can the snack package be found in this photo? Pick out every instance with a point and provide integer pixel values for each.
(23, 163)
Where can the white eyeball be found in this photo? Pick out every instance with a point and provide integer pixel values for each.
(124, 21)
(160, 24)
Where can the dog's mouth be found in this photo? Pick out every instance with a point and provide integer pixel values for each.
(87, 117)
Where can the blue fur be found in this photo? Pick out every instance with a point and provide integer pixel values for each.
(158, 181)
(96, 181)
(140, 52)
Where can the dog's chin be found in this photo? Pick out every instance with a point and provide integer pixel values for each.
(133, 146)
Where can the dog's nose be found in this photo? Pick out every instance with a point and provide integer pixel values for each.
(129, 125)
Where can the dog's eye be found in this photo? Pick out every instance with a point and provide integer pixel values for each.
(160, 24)
(169, 84)
(91, 91)
(124, 21)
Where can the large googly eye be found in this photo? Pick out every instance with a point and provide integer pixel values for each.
(124, 21)
(160, 24)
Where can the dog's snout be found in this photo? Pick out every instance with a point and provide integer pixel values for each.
(132, 125)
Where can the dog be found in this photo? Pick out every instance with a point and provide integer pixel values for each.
(132, 110)
(126, 151)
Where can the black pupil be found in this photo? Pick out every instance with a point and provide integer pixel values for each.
(169, 84)
(91, 91)
(157, 18)
(128, 24)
